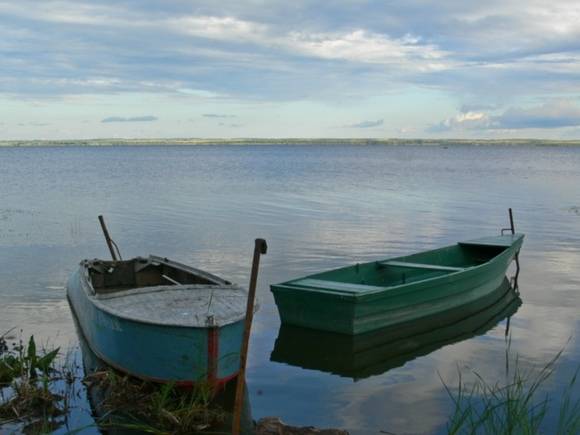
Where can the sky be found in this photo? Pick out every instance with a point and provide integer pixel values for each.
(174, 68)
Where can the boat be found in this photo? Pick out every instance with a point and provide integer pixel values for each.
(160, 320)
(370, 296)
(374, 353)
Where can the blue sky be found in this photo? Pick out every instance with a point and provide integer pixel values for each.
(147, 68)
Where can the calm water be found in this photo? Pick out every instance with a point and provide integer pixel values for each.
(319, 207)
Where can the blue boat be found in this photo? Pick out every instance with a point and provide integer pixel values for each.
(160, 320)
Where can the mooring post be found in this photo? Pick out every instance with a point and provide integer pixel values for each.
(107, 237)
(260, 248)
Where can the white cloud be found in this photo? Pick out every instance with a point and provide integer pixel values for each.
(366, 124)
(145, 118)
(362, 46)
(66, 12)
(355, 46)
(220, 28)
(463, 121)
(553, 114)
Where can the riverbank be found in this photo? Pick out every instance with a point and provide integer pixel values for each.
(282, 141)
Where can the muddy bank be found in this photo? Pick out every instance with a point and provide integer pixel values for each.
(275, 426)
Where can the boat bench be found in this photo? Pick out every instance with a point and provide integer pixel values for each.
(421, 266)
(344, 287)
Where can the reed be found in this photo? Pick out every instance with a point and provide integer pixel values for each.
(28, 377)
(518, 406)
(37, 386)
(128, 403)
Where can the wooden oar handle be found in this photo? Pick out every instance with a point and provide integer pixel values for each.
(261, 246)
(107, 237)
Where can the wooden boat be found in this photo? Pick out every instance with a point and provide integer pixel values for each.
(373, 353)
(371, 296)
(160, 320)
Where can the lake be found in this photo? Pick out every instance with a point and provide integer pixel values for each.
(319, 207)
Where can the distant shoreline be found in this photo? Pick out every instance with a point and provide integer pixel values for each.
(281, 141)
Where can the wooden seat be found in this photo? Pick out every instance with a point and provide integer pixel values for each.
(344, 287)
(421, 266)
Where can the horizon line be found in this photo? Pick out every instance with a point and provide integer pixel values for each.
(284, 138)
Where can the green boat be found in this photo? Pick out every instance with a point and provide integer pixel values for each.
(370, 296)
(374, 353)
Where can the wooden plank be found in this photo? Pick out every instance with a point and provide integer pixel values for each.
(421, 266)
(345, 287)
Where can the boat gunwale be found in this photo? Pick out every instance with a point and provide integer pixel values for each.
(388, 291)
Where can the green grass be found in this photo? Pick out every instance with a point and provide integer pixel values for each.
(517, 406)
(27, 377)
(128, 403)
(36, 388)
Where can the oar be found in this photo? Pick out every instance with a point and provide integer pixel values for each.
(260, 248)
(110, 242)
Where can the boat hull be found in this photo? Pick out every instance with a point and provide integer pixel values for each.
(159, 353)
(356, 312)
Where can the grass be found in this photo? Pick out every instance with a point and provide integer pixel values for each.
(517, 406)
(36, 386)
(129, 403)
(28, 376)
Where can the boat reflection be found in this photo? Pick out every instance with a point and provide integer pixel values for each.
(362, 356)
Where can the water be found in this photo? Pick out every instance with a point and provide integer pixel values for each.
(319, 207)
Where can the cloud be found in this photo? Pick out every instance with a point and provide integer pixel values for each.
(33, 124)
(554, 114)
(363, 46)
(550, 115)
(462, 121)
(476, 107)
(147, 118)
(221, 51)
(219, 28)
(366, 124)
(217, 115)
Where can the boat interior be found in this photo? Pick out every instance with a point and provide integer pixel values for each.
(114, 276)
(402, 270)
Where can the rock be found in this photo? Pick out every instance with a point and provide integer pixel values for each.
(275, 426)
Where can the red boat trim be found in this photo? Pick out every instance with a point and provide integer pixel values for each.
(212, 354)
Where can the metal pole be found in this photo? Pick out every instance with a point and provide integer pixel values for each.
(517, 256)
(512, 221)
(107, 237)
(260, 248)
